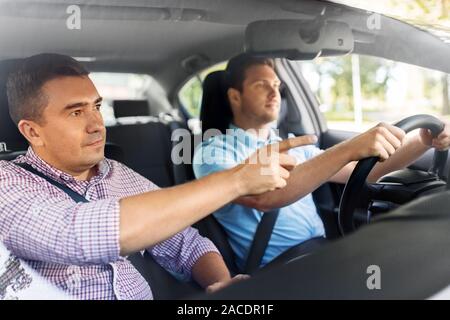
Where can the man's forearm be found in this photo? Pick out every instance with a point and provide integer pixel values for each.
(412, 149)
(304, 179)
(152, 217)
(404, 156)
(210, 268)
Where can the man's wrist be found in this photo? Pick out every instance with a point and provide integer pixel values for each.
(345, 150)
(420, 141)
(239, 183)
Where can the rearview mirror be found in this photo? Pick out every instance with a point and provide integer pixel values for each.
(298, 39)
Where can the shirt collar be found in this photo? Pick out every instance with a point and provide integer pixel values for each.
(243, 136)
(39, 164)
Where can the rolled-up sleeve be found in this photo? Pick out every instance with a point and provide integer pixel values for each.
(180, 252)
(37, 225)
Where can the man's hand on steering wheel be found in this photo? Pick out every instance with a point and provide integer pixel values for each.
(380, 141)
(441, 142)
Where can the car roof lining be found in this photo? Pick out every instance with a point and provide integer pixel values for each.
(159, 46)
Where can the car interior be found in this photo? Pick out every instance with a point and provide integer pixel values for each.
(173, 41)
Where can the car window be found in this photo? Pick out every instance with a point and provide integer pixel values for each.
(356, 92)
(190, 94)
(120, 86)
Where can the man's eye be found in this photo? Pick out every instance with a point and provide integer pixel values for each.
(98, 107)
(76, 113)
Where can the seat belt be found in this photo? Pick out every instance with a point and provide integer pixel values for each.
(74, 195)
(260, 241)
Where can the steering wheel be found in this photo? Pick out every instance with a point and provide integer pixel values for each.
(361, 201)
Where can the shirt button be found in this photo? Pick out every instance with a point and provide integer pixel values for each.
(71, 270)
(74, 278)
(74, 282)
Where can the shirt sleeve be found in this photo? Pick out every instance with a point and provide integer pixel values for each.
(213, 156)
(180, 252)
(37, 224)
(305, 153)
(312, 151)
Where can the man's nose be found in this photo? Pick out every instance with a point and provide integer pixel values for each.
(273, 91)
(94, 122)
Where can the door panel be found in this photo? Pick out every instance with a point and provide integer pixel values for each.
(330, 138)
(328, 196)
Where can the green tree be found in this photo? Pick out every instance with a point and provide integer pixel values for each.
(374, 74)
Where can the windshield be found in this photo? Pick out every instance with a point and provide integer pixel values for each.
(429, 15)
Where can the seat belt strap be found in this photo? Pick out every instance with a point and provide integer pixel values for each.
(260, 241)
(74, 195)
(136, 259)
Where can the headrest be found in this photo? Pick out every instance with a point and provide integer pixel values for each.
(10, 137)
(215, 110)
(130, 108)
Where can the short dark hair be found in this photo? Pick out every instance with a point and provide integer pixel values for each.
(238, 65)
(24, 86)
(216, 111)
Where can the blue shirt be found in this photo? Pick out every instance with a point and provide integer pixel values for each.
(296, 223)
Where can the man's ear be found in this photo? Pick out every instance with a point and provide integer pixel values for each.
(31, 131)
(234, 97)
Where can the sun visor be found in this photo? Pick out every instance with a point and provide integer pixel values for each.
(298, 39)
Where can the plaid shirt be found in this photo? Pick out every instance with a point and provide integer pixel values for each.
(75, 246)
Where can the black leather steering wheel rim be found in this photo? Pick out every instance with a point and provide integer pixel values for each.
(357, 180)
